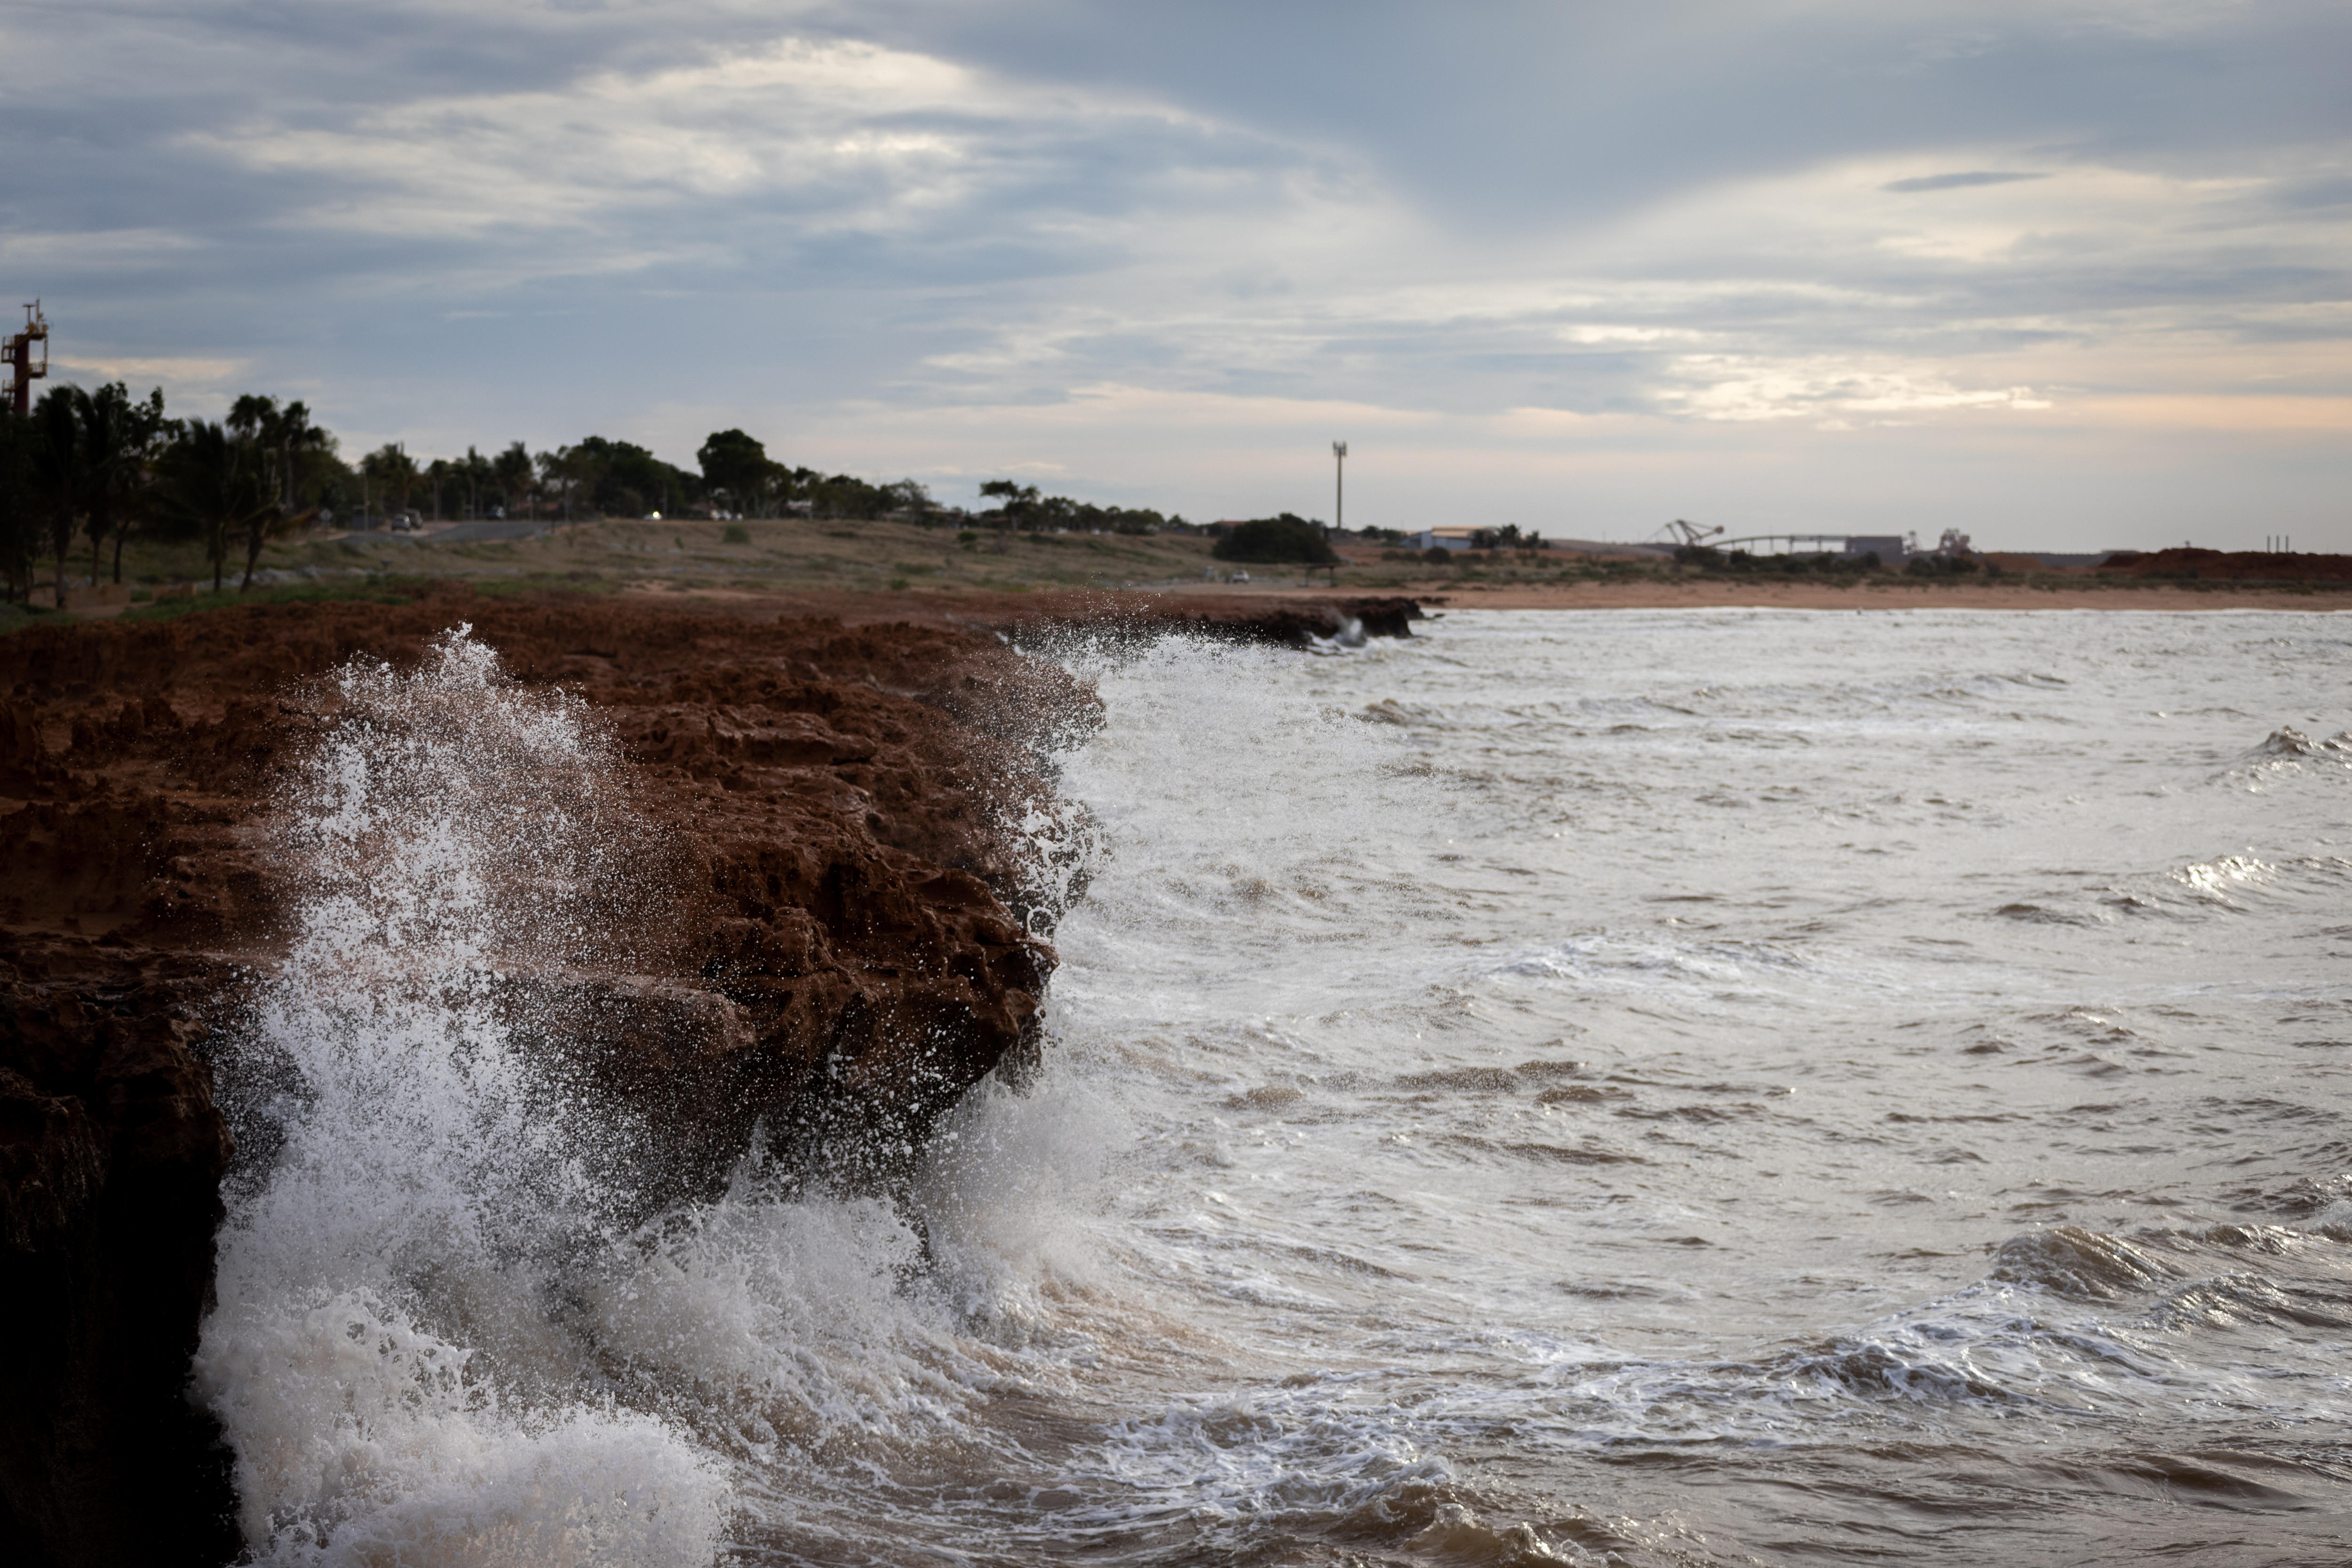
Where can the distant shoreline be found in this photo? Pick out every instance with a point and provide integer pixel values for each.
(1236, 599)
(1868, 593)
(961, 605)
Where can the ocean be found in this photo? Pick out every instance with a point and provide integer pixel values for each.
(1660, 1088)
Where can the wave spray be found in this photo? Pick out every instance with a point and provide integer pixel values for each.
(397, 1353)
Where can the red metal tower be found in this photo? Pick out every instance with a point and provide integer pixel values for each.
(22, 371)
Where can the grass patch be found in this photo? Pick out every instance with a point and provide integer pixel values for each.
(17, 617)
(369, 590)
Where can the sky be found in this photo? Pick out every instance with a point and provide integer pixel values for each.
(2065, 275)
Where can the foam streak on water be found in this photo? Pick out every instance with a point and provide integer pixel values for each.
(1680, 1088)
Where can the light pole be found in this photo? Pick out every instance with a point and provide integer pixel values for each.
(1340, 487)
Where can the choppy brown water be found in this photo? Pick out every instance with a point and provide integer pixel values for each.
(1719, 1086)
(1686, 1088)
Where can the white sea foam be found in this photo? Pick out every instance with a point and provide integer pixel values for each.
(445, 1332)
(387, 1355)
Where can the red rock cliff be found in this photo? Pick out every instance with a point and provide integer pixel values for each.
(847, 944)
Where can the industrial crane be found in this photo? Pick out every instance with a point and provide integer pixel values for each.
(1689, 534)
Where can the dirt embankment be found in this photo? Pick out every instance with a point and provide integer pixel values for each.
(851, 939)
(2193, 564)
(1287, 617)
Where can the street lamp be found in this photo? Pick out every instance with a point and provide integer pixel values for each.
(1340, 487)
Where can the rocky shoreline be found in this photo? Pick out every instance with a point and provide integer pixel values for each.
(859, 862)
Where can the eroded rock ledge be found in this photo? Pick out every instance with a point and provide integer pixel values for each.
(851, 939)
(1287, 621)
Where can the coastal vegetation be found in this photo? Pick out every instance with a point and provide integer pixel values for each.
(1020, 508)
(1276, 540)
(110, 505)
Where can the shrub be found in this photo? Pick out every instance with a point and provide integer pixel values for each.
(735, 533)
(1274, 540)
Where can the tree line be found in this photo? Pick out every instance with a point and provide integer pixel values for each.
(94, 469)
(1020, 508)
(598, 477)
(99, 467)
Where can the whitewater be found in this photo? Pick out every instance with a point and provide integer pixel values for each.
(1650, 1088)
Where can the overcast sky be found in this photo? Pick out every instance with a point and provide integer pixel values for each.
(2064, 274)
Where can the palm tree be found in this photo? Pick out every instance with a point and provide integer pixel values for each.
(120, 440)
(214, 487)
(477, 472)
(296, 437)
(59, 475)
(391, 466)
(513, 470)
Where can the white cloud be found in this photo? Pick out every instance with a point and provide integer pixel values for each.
(924, 237)
(119, 247)
(180, 375)
(867, 137)
(1727, 387)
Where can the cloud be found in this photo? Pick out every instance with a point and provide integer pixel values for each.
(901, 231)
(1724, 387)
(182, 375)
(1955, 182)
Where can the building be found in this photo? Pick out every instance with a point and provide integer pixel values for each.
(1450, 538)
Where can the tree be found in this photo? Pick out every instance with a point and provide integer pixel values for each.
(735, 465)
(911, 497)
(476, 470)
(296, 439)
(20, 514)
(285, 436)
(847, 496)
(1275, 539)
(512, 471)
(630, 480)
(568, 471)
(1022, 506)
(215, 489)
(392, 471)
(60, 478)
(120, 439)
(1017, 503)
(1507, 537)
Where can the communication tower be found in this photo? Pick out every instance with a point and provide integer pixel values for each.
(22, 371)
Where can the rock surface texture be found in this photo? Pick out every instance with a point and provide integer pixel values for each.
(1290, 622)
(851, 860)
